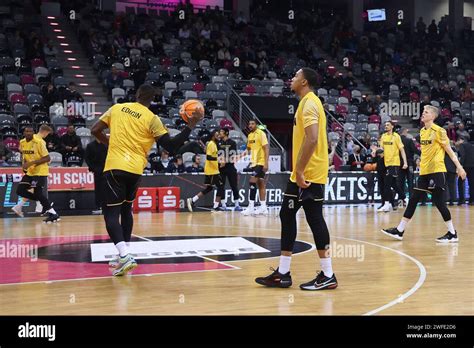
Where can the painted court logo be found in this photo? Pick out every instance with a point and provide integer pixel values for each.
(37, 331)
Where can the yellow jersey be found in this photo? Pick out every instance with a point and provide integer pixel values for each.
(211, 167)
(310, 111)
(255, 142)
(432, 150)
(391, 145)
(133, 128)
(33, 150)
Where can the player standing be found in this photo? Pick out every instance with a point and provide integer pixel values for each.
(434, 145)
(228, 151)
(133, 129)
(306, 186)
(257, 144)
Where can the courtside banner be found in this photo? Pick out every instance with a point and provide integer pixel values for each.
(60, 178)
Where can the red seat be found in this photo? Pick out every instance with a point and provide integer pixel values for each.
(446, 113)
(12, 144)
(27, 79)
(414, 97)
(166, 61)
(331, 70)
(225, 123)
(36, 63)
(335, 127)
(346, 93)
(18, 99)
(341, 109)
(198, 87)
(61, 130)
(250, 89)
(375, 119)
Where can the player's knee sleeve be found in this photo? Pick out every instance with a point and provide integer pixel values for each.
(288, 223)
(314, 216)
(412, 203)
(126, 220)
(438, 200)
(220, 191)
(253, 191)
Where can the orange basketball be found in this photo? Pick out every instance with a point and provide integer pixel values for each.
(369, 167)
(189, 107)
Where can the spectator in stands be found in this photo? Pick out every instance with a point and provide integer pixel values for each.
(348, 81)
(35, 50)
(450, 179)
(95, 156)
(50, 50)
(223, 55)
(332, 153)
(5, 154)
(446, 93)
(72, 145)
(349, 144)
(356, 159)
(146, 43)
(159, 161)
(132, 42)
(176, 165)
(420, 26)
(195, 167)
(206, 32)
(466, 154)
(466, 95)
(184, 32)
(53, 142)
(73, 94)
(432, 29)
(451, 132)
(462, 133)
(114, 79)
(406, 175)
(50, 95)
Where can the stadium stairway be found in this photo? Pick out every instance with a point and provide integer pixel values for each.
(75, 63)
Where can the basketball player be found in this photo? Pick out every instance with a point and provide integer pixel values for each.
(392, 145)
(306, 186)
(212, 176)
(35, 159)
(434, 145)
(257, 144)
(133, 129)
(228, 151)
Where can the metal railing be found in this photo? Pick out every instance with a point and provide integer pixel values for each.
(242, 114)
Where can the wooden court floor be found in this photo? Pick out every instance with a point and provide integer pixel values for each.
(377, 276)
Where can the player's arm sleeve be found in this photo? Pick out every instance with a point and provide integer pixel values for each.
(263, 139)
(156, 127)
(43, 151)
(310, 113)
(399, 143)
(211, 152)
(442, 137)
(106, 116)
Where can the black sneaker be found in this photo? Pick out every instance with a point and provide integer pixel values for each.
(44, 211)
(52, 218)
(393, 232)
(321, 282)
(275, 280)
(448, 238)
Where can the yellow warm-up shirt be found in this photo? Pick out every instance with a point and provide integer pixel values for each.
(255, 142)
(310, 111)
(211, 167)
(33, 150)
(432, 151)
(391, 144)
(133, 128)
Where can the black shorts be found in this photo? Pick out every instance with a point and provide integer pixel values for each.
(34, 181)
(393, 171)
(120, 187)
(429, 182)
(314, 192)
(213, 180)
(258, 172)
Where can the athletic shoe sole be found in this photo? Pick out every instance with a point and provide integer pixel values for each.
(330, 286)
(127, 268)
(283, 286)
(50, 222)
(392, 235)
(447, 241)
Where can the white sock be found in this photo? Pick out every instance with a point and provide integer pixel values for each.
(326, 266)
(263, 204)
(251, 203)
(21, 203)
(236, 203)
(122, 248)
(402, 225)
(285, 262)
(195, 198)
(450, 226)
(52, 211)
(216, 204)
(223, 205)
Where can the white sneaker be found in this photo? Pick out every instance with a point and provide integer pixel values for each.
(17, 210)
(384, 209)
(261, 210)
(39, 207)
(248, 211)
